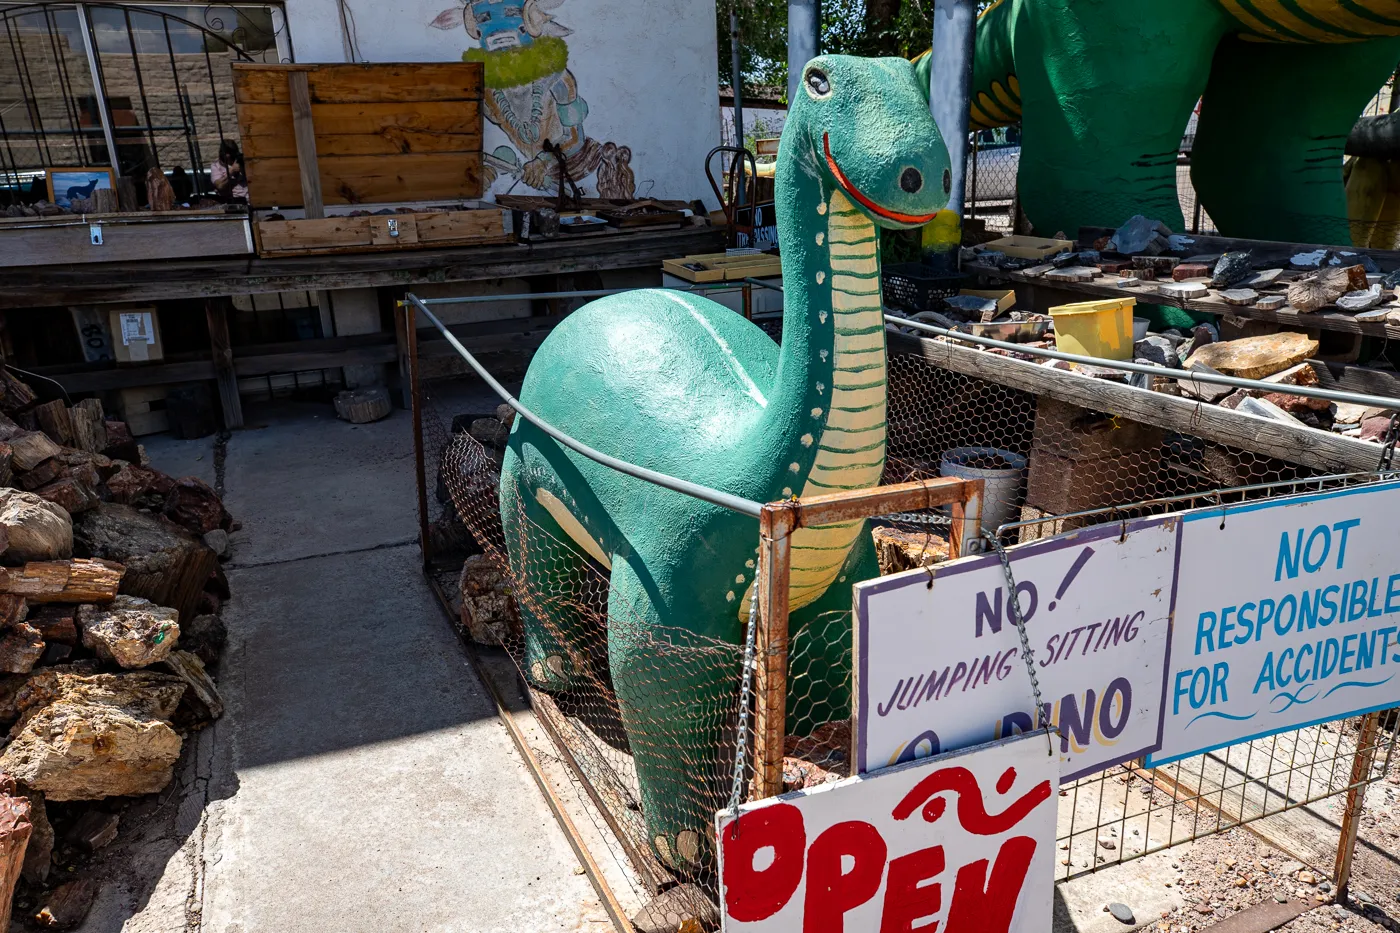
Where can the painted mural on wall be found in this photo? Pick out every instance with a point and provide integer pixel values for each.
(533, 97)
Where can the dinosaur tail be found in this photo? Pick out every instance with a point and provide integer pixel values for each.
(996, 94)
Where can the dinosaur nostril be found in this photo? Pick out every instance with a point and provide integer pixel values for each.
(911, 181)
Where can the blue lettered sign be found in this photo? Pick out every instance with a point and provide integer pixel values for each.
(1287, 614)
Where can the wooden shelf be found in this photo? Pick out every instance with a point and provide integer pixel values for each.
(51, 286)
(1320, 450)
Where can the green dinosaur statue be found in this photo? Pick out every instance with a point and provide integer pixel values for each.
(684, 386)
(1107, 87)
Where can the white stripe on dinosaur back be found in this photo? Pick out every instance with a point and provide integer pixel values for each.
(749, 385)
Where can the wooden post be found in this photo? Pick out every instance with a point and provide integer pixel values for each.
(1356, 800)
(216, 312)
(776, 525)
(299, 88)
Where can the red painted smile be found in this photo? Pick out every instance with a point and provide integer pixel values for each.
(853, 191)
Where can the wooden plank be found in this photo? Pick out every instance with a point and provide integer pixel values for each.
(397, 231)
(65, 245)
(364, 129)
(221, 348)
(75, 284)
(100, 380)
(362, 179)
(1298, 444)
(304, 133)
(412, 81)
(278, 235)
(456, 225)
(1365, 380)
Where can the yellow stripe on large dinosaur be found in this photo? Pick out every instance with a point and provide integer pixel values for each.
(1105, 89)
(684, 386)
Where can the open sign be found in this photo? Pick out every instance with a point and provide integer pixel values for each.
(961, 843)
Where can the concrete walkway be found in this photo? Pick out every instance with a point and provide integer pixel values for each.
(360, 780)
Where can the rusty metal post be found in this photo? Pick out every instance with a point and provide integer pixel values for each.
(967, 520)
(776, 525)
(748, 301)
(410, 325)
(1356, 801)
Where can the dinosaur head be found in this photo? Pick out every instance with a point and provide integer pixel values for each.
(867, 123)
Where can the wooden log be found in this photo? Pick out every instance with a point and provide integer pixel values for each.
(898, 550)
(30, 449)
(89, 433)
(15, 828)
(106, 201)
(164, 563)
(55, 421)
(14, 394)
(68, 904)
(56, 623)
(70, 492)
(41, 475)
(81, 580)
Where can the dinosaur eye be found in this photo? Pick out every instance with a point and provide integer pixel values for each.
(947, 181)
(818, 85)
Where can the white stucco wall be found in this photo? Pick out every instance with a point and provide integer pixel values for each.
(646, 68)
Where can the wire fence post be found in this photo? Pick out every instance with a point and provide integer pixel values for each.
(410, 337)
(775, 524)
(1356, 800)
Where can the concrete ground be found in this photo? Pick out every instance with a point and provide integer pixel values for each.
(360, 779)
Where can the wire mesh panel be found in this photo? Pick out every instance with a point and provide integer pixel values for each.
(1048, 467)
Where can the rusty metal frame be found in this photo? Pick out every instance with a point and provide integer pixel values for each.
(776, 525)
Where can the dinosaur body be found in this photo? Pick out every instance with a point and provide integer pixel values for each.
(682, 385)
(1104, 88)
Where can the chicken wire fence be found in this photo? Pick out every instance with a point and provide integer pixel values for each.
(549, 607)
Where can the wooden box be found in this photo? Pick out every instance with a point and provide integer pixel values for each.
(143, 410)
(1079, 434)
(721, 267)
(373, 133)
(1029, 247)
(136, 335)
(67, 239)
(422, 229)
(1004, 297)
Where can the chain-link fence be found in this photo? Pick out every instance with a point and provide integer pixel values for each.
(648, 716)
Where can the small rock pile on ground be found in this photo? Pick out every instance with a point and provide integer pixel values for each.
(110, 589)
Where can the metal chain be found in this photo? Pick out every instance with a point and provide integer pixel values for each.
(741, 742)
(1392, 431)
(1013, 609)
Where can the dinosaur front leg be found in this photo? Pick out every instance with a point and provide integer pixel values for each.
(676, 691)
(1267, 161)
(554, 582)
(1106, 89)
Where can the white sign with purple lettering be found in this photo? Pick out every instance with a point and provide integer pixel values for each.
(939, 661)
(1288, 614)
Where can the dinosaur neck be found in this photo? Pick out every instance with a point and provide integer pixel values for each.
(827, 405)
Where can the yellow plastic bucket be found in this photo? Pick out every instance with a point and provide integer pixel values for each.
(1101, 329)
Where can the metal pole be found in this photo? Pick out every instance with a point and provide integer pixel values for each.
(949, 101)
(410, 324)
(1356, 801)
(99, 92)
(734, 64)
(804, 40)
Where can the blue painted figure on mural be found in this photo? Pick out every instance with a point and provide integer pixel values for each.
(533, 97)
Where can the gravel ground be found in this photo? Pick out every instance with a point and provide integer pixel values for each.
(1224, 874)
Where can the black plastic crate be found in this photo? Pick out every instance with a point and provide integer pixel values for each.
(914, 286)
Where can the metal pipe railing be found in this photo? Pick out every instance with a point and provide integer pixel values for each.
(685, 487)
(1182, 375)
(579, 293)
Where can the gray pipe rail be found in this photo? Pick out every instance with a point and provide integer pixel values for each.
(685, 487)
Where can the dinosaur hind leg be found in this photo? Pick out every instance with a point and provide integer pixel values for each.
(1267, 160)
(558, 590)
(676, 692)
(1106, 90)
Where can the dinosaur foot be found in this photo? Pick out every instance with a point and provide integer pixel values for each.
(681, 852)
(674, 908)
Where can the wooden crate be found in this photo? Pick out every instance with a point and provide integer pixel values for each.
(67, 239)
(143, 409)
(376, 233)
(721, 267)
(360, 133)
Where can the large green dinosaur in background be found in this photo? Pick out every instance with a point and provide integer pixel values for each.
(1104, 88)
(684, 386)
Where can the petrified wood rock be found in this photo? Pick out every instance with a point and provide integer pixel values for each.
(164, 563)
(131, 631)
(35, 528)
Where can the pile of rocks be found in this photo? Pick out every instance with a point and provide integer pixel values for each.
(110, 589)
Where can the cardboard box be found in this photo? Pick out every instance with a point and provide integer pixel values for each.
(136, 335)
(1029, 247)
(143, 409)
